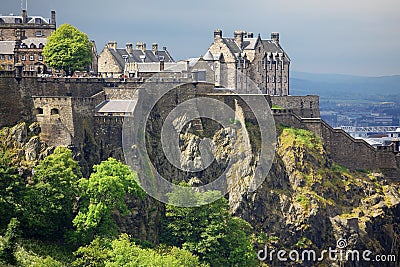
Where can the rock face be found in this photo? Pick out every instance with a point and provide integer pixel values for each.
(307, 201)
(27, 149)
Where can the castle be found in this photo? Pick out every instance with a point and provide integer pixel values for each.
(87, 114)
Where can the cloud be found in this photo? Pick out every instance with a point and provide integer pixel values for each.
(317, 34)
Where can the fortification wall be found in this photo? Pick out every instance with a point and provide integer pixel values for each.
(303, 106)
(342, 148)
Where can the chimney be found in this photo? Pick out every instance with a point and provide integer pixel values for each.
(141, 46)
(129, 48)
(53, 17)
(154, 48)
(24, 16)
(250, 35)
(275, 37)
(112, 45)
(217, 34)
(164, 48)
(239, 38)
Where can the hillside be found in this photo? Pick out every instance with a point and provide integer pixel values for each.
(346, 87)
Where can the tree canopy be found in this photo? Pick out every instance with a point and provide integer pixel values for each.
(209, 231)
(50, 199)
(101, 194)
(68, 49)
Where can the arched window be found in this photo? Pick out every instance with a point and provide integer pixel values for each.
(54, 111)
(32, 45)
(41, 46)
(39, 111)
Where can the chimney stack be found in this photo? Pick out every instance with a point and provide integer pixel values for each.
(250, 35)
(24, 16)
(53, 17)
(217, 34)
(154, 48)
(275, 37)
(239, 38)
(129, 48)
(141, 46)
(112, 45)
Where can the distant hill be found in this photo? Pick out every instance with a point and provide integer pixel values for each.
(346, 87)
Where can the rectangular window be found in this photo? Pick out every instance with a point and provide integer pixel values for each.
(23, 57)
(2, 57)
(31, 67)
(40, 57)
(31, 58)
(10, 57)
(10, 67)
(273, 79)
(38, 33)
(23, 68)
(267, 79)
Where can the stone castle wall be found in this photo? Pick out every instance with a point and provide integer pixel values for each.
(352, 153)
(65, 109)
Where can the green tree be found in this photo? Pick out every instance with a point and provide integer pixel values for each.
(9, 246)
(103, 193)
(209, 231)
(12, 187)
(93, 255)
(50, 200)
(68, 49)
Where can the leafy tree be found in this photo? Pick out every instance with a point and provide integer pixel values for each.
(12, 187)
(93, 255)
(9, 246)
(103, 193)
(51, 198)
(209, 231)
(68, 49)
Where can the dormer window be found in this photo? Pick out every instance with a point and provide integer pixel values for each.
(18, 20)
(125, 57)
(38, 21)
(32, 45)
(41, 46)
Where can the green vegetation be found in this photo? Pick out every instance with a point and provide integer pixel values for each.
(12, 186)
(68, 49)
(276, 107)
(103, 193)
(9, 244)
(49, 200)
(209, 231)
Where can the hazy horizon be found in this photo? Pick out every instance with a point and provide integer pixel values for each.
(339, 37)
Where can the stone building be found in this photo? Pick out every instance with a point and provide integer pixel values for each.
(22, 39)
(112, 59)
(264, 61)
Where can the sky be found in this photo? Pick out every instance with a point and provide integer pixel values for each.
(354, 37)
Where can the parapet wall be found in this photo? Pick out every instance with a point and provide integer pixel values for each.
(344, 149)
(303, 106)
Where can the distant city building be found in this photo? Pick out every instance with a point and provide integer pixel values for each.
(114, 61)
(374, 135)
(264, 61)
(22, 39)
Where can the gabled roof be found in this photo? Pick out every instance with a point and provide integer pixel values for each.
(10, 19)
(248, 44)
(122, 56)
